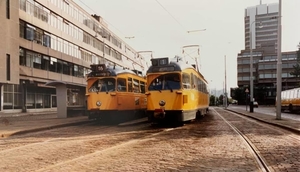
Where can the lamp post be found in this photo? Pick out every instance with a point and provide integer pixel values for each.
(225, 86)
(251, 66)
(279, 66)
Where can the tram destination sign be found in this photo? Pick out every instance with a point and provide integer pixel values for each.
(163, 69)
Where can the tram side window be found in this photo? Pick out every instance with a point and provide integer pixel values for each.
(142, 84)
(129, 84)
(136, 86)
(199, 84)
(186, 82)
(121, 84)
(192, 80)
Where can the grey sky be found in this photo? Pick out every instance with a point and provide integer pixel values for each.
(156, 30)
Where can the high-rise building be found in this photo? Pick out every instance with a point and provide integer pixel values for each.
(45, 41)
(261, 20)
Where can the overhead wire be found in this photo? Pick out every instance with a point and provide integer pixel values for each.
(170, 15)
(102, 18)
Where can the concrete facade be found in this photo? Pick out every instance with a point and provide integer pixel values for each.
(53, 40)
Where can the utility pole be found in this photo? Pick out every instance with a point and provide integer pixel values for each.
(279, 66)
(225, 86)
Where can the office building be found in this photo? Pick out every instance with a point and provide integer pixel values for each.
(264, 45)
(53, 40)
(261, 21)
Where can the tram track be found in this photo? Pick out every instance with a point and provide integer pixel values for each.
(265, 140)
(258, 157)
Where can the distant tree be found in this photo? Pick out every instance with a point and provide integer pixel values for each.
(239, 95)
(212, 100)
(221, 97)
(296, 67)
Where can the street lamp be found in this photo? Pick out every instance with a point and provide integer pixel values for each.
(251, 65)
(279, 66)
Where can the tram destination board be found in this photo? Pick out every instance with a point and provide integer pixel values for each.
(163, 69)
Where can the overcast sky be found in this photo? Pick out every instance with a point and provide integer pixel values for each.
(161, 26)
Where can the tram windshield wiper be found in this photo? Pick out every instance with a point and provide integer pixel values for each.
(167, 84)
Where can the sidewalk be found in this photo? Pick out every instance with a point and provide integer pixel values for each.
(289, 124)
(20, 123)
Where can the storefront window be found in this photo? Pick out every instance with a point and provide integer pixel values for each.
(12, 97)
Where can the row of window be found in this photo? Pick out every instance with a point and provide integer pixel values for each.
(42, 13)
(246, 61)
(274, 75)
(171, 81)
(274, 66)
(35, 98)
(41, 37)
(39, 61)
(266, 76)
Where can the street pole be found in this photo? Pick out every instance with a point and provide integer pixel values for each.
(251, 70)
(225, 86)
(251, 67)
(279, 66)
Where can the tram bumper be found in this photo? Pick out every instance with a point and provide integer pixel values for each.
(159, 113)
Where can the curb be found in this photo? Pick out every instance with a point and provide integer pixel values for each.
(5, 135)
(296, 131)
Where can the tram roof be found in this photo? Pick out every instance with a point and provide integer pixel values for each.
(172, 66)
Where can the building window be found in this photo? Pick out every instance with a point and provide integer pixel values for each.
(37, 61)
(22, 58)
(22, 27)
(66, 68)
(7, 67)
(29, 57)
(12, 97)
(75, 70)
(45, 63)
(46, 40)
(59, 66)
(53, 64)
(29, 32)
(8, 9)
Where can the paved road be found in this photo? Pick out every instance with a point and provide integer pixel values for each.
(269, 111)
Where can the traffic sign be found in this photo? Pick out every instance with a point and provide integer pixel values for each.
(246, 91)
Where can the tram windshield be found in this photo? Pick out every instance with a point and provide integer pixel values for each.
(103, 85)
(170, 81)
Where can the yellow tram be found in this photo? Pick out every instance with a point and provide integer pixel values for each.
(176, 91)
(115, 94)
(290, 100)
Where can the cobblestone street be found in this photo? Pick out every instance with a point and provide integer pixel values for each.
(207, 144)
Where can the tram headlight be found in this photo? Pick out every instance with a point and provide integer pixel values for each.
(162, 102)
(98, 103)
